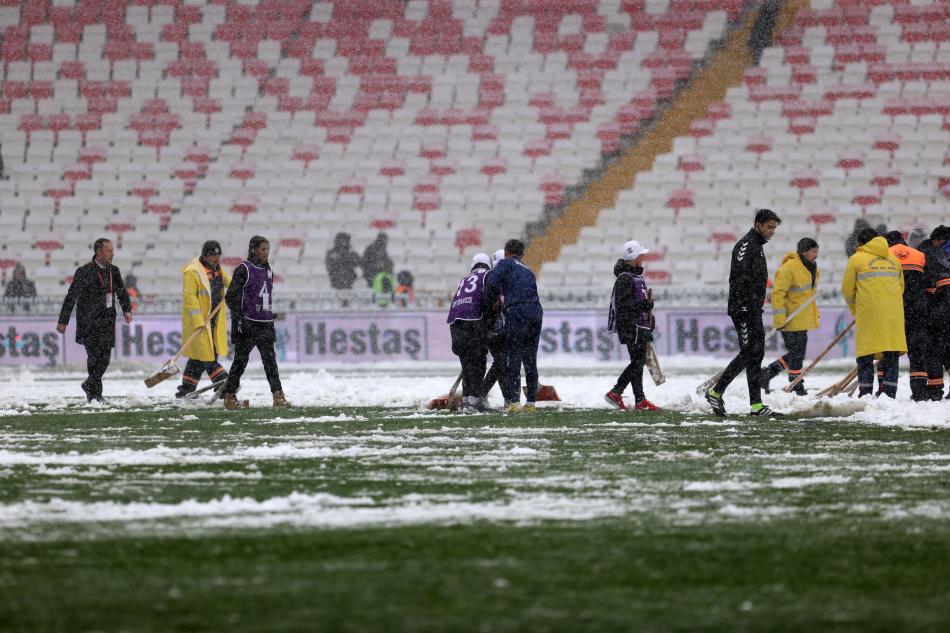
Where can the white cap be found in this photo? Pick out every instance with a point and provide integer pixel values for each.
(481, 258)
(632, 250)
(499, 255)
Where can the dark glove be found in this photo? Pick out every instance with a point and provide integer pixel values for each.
(643, 305)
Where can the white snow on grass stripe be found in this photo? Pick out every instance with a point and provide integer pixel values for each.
(801, 482)
(23, 391)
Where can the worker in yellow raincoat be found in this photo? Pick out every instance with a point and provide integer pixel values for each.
(203, 285)
(796, 283)
(873, 288)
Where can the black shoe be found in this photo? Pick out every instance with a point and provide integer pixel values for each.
(184, 389)
(766, 412)
(800, 390)
(718, 406)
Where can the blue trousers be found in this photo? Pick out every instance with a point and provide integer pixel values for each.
(522, 333)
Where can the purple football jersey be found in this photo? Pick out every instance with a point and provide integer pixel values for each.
(258, 293)
(467, 302)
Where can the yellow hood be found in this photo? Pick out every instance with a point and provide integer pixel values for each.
(877, 247)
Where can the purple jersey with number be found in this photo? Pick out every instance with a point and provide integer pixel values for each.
(258, 293)
(467, 303)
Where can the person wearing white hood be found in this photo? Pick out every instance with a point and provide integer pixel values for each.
(631, 319)
(495, 332)
(468, 331)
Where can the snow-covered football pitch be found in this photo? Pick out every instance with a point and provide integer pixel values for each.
(361, 510)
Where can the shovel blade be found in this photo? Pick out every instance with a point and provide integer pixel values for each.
(446, 402)
(546, 393)
(164, 373)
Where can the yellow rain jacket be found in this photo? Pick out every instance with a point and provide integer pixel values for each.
(792, 288)
(873, 287)
(195, 308)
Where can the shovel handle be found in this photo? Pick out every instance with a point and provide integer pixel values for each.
(788, 388)
(194, 335)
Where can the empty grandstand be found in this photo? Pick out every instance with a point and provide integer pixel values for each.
(452, 126)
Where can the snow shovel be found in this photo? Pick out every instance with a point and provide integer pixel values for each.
(653, 365)
(788, 388)
(712, 380)
(841, 386)
(546, 393)
(197, 392)
(652, 362)
(169, 369)
(450, 400)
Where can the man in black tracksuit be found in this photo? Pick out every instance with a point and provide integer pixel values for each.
(937, 270)
(748, 277)
(95, 288)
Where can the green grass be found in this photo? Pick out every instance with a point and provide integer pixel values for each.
(573, 520)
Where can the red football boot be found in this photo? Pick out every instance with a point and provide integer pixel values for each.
(646, 405)
(615, 400)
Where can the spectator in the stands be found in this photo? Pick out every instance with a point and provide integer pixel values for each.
(132, 287)
(342, 262)
(19, 287)
(405, 295)
(376, 260)
(384, 287)
(3, 173)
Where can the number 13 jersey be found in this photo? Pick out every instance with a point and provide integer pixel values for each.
(467, 302)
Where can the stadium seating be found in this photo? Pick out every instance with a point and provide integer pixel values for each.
(448, 124)
(847, 118)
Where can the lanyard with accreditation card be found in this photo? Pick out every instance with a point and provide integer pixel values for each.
(109, 296)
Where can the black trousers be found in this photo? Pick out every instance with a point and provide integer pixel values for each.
(751, 335)
(918, 352)
(499, 367)
(263, 337)
(886, 377)
(522, 334)
(633, 373)
(468, 343)
(194, 369)
(98, 356)
(938, 342)
(795, 343)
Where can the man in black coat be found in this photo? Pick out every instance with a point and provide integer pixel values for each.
(748, 277)
(96, 287)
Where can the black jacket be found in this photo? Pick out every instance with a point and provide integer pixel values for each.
(748, 276)
(95, 323)
(936, 268)
(628, 308)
